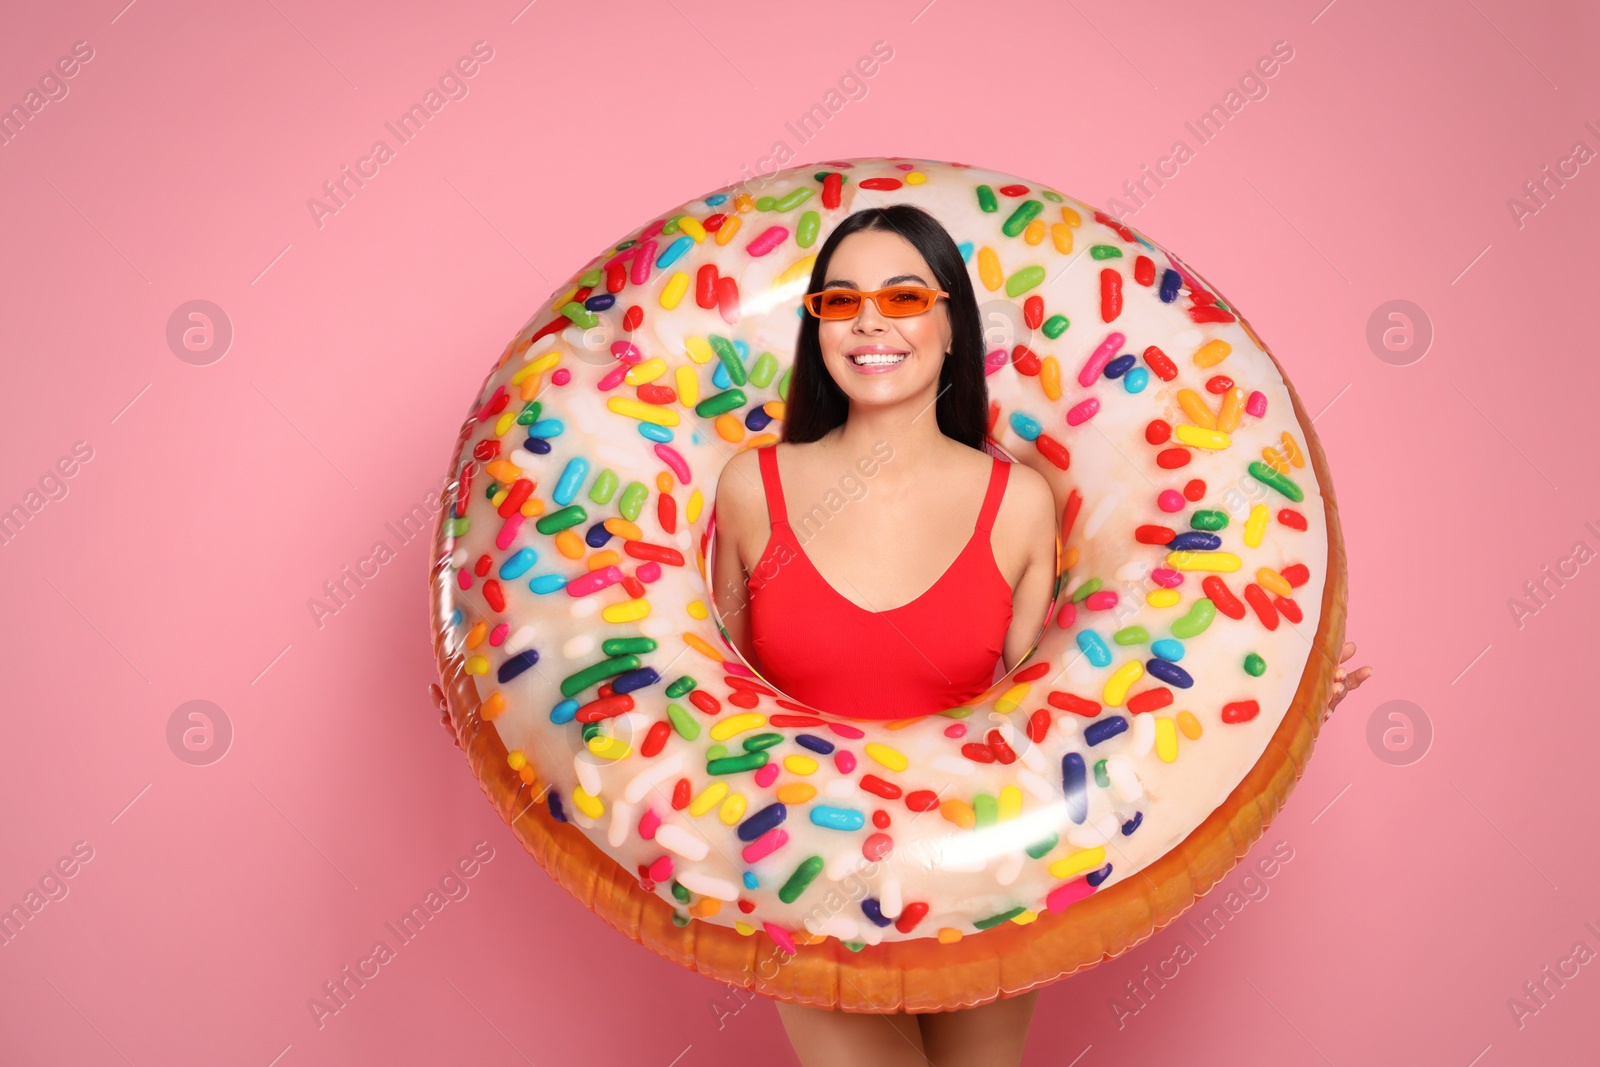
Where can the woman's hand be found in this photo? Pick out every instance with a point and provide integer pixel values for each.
(1342, 682)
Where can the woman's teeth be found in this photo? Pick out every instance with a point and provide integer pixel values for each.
(875, 359)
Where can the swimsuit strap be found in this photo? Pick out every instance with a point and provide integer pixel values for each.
(768, 458)
(998, 474)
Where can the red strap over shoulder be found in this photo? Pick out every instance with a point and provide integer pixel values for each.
(998, 475)
(767, 456)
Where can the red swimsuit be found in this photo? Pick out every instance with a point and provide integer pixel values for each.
(936, 652)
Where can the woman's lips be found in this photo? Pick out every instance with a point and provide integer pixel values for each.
(879, 363)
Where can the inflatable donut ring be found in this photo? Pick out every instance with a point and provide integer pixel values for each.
(1090, 797)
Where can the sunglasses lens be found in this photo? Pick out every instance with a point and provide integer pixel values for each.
(836, 304)
(905, 300)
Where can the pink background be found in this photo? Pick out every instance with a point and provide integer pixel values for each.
(1422, 894)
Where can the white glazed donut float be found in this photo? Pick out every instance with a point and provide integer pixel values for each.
(1118, 771)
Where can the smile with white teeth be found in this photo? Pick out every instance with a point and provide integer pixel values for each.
(876, 359)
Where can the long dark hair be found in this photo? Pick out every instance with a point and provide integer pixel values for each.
(815, 403)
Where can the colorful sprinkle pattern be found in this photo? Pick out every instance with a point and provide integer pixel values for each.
(1195, 550)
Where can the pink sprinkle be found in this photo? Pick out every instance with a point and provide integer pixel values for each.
(561, 376)
(1170, 500)
(1069, 613)
(766, 774)
(648, 823)
(648, 572)
(956, 729)
(1166, 577)
(498, 634)
(1100, 357)
(769, 239)
(1257, 404)
(1068, 893)
(781, 936)
(483, 412)
(844, 730)
(639, 272)
(508, 529)
(652, 229)
(661, 869)
(993, 361)
(845, 760)
(626, 351)
(613, 378)
(1102, 600)
(765, 845)
(671, 458)
(464, 578)
(1083, 411)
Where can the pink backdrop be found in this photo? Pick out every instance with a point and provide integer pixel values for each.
(1432, 871)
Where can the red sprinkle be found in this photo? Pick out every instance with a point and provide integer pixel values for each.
(494, 595)
(1150, 534)
(704, 701)
(1262, 604)
(1033, 312)
(656, 739)
(1038, 670)
(1110, 294)
(1158, 432)
(680, 794)
(1219, 384)
(1053, 450)
(632, 318)
(977, 753)
(1222, 597)
(1287, 608)
(1025, 361)
(1075, 704)
(1240, 711)
(878, 787)
(1172, 458)
(1296, 574)
(1160, 365)
(1292, 519)
(1150, 699)
(1038, 726)
(1144, 271)
(922, 800)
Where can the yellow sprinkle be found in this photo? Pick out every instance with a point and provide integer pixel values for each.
(697, 610)
(1212, 352)
(1232, 409)
(1203, 561)
(1012, 698)
(1273, 582)
(796, 793)
(499, 496)
(1050, 377)
(516, 759)
(1275, 459)
(611, 748)
(476, 665)
(691, 226)
(1061, 237)
(1189, 725)
(960, 813)
(1200, 438)
(916, 177)
(798, 764)
(587, 803)
(743, 927)
(638, 409)
(1194, 406)
(796, 273)
(729, 227)
(506, 420)
(688, 386)
(737, 724)
(570, 544)
(691, 511)
(886, 756)
(732, 809)
(698, 643)
(1166, 739)
(699, 349)
(1035, 232)
(673, 291)
(949, 935)
(709, 798)
(729, 427)
(989, 269)
(1070, 216)
(1255, 526)
(646, 371)
(475, 636)
(1162, 598)
(1023, 918)
(1088, 859)
(628, 611)
(1116, 688)
(1010, 802)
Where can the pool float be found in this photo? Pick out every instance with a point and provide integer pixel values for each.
(1117, 773)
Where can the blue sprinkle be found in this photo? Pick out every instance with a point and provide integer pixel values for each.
(1096, 877)
(751, 881)
(833, 818)
(874, 911)
(456, 617)
(547, 583)
(553, 801)
(1132, 824)
(517, 664)
(600, 302)
(1094, 648)
(1102, 729)
(1168, 649)
(1170, 281)
(1170, 673)
(537, 445)
(819, 745)
(1026, 426)
(743, 350)
(762, 821)
(653, 432)
(546, 428)
(716, 198)
(1119, 366)
(564, 712)
(517, 564)
(1075, 785)
(965, 248)
(757, 419)
(719, 377)
(1135, 380)
(677, 248)
(598, 535)
(640, 678)
(571, 480)
(1194, 540)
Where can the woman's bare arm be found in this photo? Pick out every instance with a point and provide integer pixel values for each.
(739, 506)
(1030, 513)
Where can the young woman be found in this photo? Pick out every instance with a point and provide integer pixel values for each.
(938, 566)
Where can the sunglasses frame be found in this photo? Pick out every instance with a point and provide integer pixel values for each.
(873, 296)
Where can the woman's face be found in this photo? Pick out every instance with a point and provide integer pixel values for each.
(873, 358)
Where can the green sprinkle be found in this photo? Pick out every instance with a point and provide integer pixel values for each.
(730, 358)
(757, 742)
(679, 919)
(1050, 195)
(631, 502)
(590, 278)
(580, 315)
(529, 413)
(765, 203)
(793, 199)
(783, 383)
(1056, 325)
(681, 686)
(1254, 665)
(1021, 217)
(810, 226)
(605, 484)
(761, 372)
(1209, 520)
(1196, 619)
(854, 946)
(1130, 635)
(1269, 476)
(1003, 917)
(556, 521)
(1043, 848)
(803, 876)
(1105, 252)
(987, 810)
(455, 527)
(720, 403)
(1091, 586)
(750, 761)
(671, 226)
(589, 731)
(679, 893)
(716, 752)
(573, 684)
(1024, 279)
(1101, 779)
(622, 646)
(684, 723)
(986, 199)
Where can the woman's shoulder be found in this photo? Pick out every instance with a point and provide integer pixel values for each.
(1028, 501)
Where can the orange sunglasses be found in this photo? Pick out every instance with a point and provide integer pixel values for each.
(895, 302)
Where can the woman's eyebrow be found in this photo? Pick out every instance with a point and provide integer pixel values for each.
(845, 283)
